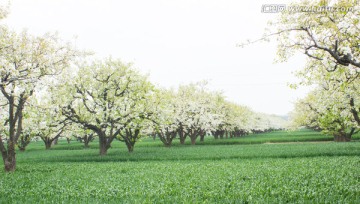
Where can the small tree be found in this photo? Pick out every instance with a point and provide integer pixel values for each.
(85, 136)
(133, 131)
(195, 111)
(163, 119)
(105, 97)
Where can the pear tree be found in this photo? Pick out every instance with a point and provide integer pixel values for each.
(106, 96)
(25, 60)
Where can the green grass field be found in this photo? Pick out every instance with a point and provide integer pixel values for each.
(219, 171)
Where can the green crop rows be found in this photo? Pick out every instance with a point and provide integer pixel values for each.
(324, 172)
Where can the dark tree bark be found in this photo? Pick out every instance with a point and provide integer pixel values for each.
(130, 137)
(182, 135)
(342, 136)
(49, 142)
(355, 112)
(15, 128)
(9, 156)
(218, 133)
(202, 135)
(193, 140)
(130, 146)
(86, 139)
(23, 141)
(104, 142)
(10, 160)
(167, 136)
(55, 141)
(193, 134)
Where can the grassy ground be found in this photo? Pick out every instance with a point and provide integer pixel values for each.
(303, 172)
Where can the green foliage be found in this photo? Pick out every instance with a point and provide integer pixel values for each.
(261, 173)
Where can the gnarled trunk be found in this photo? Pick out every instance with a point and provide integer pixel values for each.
(48, 145)
(193, 136)
(130, 146)
(23, 141)
(48, 142)
(15, 128)
(103, 145)
(182, 135)
(10, 163)
(167, 137)
(55, 141)
(9, 157)
(202, 135)
(193, 140)
(342, 138)
(87, 139)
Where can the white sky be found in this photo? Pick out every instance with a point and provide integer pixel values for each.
(176, 41)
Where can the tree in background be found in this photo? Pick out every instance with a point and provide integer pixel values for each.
(164, 121)
(331, 111)
(105, 97)
(82, 135)
(195, 113)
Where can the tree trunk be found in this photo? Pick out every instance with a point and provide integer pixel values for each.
(168, 144)
(202, 136)
(87, 139)
(10, 163)
(9, 156)
(193, 140)
(182, 140)
(48, 144)
(102, 146)
(182, 135)
(167, 137)
(193, 136)
(342, 138)
(15, 128)
(55, 141)
(130, 146)
(23, 142)
(86, 143)
(104, 142)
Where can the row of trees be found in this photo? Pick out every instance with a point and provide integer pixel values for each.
(110, 100)
(50, 90)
